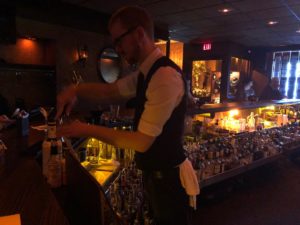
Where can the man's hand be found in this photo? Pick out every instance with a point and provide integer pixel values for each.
(5, 121)
(65, 101)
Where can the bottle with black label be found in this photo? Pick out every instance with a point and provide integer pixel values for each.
(50, 142)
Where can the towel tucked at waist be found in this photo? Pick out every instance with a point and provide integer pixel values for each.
(189, 181)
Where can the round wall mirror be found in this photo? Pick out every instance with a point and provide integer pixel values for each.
(109, 65)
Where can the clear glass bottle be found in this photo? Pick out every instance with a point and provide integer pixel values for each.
(48, 142)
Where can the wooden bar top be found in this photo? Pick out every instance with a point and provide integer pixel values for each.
(23, 188)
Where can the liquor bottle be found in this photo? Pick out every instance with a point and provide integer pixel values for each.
(54, 167)
(95, 150)
(48, 142)
(251, 122)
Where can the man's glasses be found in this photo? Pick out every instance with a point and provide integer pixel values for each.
(118, 40)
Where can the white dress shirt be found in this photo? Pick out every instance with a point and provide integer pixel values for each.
(164, 93)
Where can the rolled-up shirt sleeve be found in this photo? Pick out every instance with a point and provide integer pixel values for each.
(164, 93)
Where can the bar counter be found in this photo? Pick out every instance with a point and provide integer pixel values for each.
(23, 189)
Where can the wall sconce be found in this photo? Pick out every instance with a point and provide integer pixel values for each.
(82, 52)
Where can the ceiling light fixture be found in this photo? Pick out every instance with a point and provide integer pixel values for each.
(272, 22)
(298, 31)
(225, 10)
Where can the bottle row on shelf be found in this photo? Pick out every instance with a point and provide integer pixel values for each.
(214, 156)
(96, 151)
(127, 197)
(220, 154)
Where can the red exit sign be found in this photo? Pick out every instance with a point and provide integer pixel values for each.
(206, 46)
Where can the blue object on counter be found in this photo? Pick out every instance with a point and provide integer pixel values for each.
(23, 126)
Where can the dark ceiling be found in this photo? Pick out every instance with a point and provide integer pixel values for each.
(201, 20)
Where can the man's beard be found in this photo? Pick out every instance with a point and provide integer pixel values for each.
(134, 59)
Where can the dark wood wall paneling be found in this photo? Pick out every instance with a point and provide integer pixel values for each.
(27, 76)
(28, 87)
(27, 73)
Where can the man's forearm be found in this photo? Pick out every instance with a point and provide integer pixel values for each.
(125, 139)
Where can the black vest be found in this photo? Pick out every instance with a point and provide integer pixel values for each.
(166, 151)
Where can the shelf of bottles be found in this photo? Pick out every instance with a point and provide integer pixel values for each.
(238, 140)
(103, 160)
(286, 67)
(206, 79)
(116, 172)
(127, 197)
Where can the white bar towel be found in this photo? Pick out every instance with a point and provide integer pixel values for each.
(189, 181)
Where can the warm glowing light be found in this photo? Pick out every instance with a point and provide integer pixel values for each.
(105, 60)
(271, 107)
(163, 42)
(26, 43)
(82, 52)
(160, 42)
(268, 124)
(176, 53)
(272, 22)
(176, 50)
(267, 108)
(236, 60)
(233, 113)
(225, 10)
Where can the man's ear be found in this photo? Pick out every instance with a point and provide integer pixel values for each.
(140, 31)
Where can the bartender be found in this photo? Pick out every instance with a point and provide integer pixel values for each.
(160, 106)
